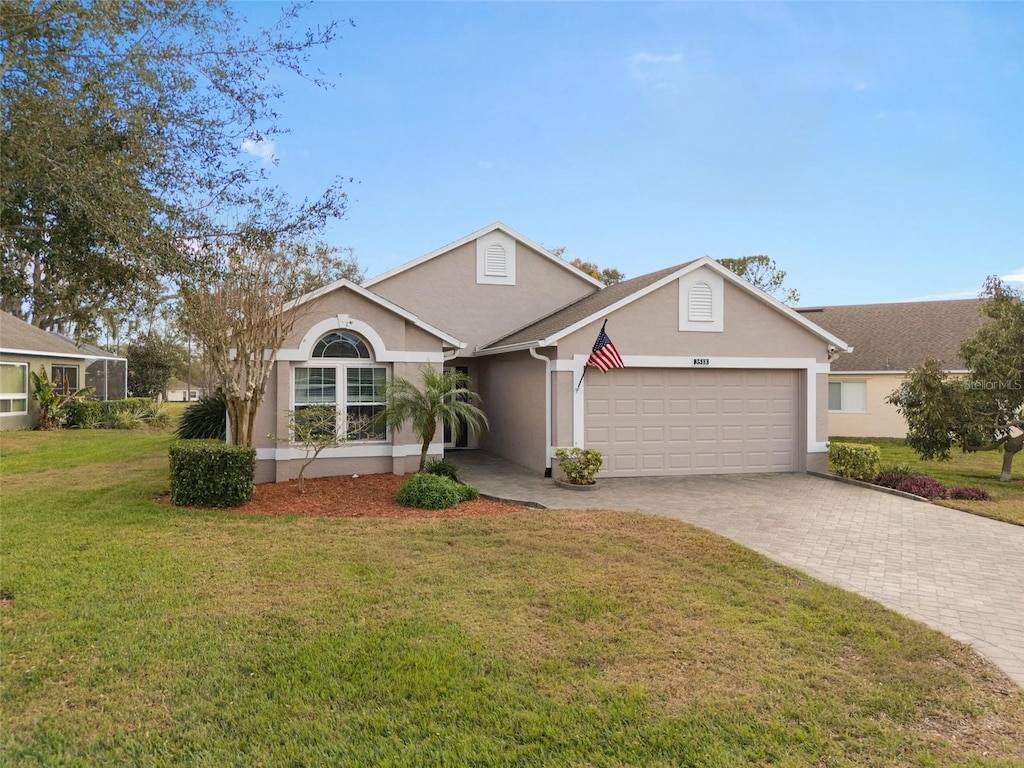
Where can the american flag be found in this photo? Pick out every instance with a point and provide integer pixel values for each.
(604, 354)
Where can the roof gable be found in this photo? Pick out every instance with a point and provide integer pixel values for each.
(897, 337)
(343, 284)
(559, 324)
(497, 226)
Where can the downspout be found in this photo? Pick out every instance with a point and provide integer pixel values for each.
(547, 409)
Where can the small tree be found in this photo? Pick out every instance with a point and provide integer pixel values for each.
(763, 273)
(53, 400)
(152, 361)
(984, 411)
(315, 428)
(244, 311)
(444, 398)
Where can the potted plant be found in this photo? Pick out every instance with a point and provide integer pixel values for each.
(580, 466)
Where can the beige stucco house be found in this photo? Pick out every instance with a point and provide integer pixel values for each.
(24, 347)
(719, 376)
(888, 340)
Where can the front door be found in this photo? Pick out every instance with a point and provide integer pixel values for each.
(463, 440)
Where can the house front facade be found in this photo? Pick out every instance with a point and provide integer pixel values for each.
(718, 377)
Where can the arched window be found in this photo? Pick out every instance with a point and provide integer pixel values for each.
(341, 374)
(341, 344)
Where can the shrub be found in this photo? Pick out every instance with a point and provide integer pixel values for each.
(205, 419)
(130, 413)
(968, 494)
(131, 416)
(859, 461)
(443, 468)
(209, 473)
(896, 468)
(425, 491)
(921, 485)
(580, 465)
(469, 492)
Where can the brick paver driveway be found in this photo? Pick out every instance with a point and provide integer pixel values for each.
(959, 573)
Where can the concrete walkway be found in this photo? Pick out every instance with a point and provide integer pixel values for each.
(958, 573)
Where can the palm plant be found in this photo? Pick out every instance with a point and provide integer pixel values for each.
(53, 399)
(444, 398)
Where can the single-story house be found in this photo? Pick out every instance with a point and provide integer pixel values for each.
(719, 377)
(888, 340)
(70, 366)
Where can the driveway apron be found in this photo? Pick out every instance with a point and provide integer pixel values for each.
(958, 573)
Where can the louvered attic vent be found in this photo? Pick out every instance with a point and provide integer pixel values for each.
(701, 303)
(495, 261)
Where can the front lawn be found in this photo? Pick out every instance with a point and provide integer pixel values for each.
(979, 469)
(140, 634)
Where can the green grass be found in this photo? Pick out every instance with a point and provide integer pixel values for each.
(979, 469)
(140, 634)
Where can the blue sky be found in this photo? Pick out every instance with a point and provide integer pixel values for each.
(874, 150)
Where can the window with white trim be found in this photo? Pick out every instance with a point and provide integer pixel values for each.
(13, 389)
(848, 396)
(354, 388)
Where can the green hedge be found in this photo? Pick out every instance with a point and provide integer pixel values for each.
(857, 460)
(209, 473)
(115, 414)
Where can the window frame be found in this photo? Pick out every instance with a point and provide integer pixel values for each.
(58, 383)
(13, 397)
(843, 384)
(342, 403)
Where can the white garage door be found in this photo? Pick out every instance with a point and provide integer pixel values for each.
(671, 421)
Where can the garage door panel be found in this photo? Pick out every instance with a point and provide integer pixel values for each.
(685, 421)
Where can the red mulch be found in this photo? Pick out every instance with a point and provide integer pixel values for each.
(354, 496)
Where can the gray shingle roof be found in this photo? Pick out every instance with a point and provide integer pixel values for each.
(897, 337)
(591, 304)
(17, 335)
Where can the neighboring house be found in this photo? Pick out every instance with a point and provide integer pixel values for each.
(720, 377)
(178, 392)
(25, 347)
(888, 340)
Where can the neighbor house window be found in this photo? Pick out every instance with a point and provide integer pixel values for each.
(13, 388)
(64, 378)
(343, 376)
(848, 396)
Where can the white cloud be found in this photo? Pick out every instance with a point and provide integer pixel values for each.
(860, 87)
(1014, 278)
(264, 149)
(643, 57)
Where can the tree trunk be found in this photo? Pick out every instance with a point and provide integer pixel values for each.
(1010, 448)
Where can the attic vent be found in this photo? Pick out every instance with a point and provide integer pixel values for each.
(701, 303)
(495, 261)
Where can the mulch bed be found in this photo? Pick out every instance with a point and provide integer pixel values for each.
(354, 496)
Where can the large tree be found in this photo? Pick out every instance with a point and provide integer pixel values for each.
(762, 272)
(985, 410)
(122, 143)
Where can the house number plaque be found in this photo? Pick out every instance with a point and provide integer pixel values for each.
(701, 361)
